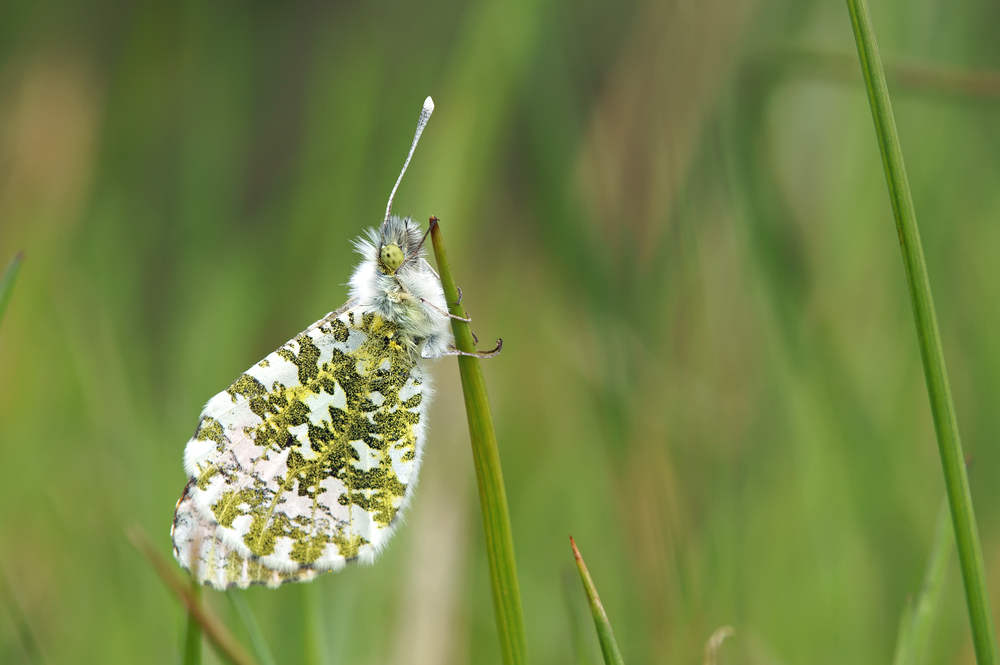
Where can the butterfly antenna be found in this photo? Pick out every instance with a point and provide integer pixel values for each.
(425, 114)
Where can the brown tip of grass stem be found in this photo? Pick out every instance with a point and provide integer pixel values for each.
(606, 636)
(220, 637)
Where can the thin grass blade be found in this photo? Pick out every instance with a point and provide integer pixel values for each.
(576, 614)
(257, 641)
(8, 279)
(609, 647)
(225, 644)
(192, 634)
(942, 409)
(918, 617)
(486, 458)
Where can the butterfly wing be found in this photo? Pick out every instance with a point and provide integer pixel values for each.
(304, 463)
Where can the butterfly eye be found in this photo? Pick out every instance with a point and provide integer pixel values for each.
(391, 256)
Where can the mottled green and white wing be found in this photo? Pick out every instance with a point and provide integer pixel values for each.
(305, 462)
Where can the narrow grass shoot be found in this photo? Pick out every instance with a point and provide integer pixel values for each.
(942, 408)
(225, 644)
(486, 458)
(606, 636)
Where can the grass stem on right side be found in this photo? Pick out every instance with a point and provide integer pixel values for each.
(956, 479)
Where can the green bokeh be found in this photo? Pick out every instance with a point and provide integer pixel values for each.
(673, 213)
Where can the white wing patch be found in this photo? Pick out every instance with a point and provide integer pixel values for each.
(305, 462)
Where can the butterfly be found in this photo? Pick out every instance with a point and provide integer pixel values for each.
(307, 461)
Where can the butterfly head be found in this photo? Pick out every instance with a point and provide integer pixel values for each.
(399, 243)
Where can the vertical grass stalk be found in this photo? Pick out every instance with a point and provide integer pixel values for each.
(486, 458)
(942, 409)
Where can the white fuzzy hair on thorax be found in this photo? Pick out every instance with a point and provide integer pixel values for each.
(402, 296)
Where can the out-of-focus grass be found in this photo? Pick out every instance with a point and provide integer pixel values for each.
(709, 373)
(7, 280)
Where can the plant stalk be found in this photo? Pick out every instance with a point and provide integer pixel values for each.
(486, 458)
(942, 409)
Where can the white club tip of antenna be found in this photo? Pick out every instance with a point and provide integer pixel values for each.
(425, 114)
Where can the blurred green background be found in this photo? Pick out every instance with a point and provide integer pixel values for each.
(674, 214)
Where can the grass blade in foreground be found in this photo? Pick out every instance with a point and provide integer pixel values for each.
(492, 497)
(7, 281)
(609, 647)
(918, 617)
(217, 633)
(192, 633)
(576, 613)
(956, 480)
(257, 641)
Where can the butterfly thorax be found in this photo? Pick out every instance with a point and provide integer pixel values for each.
(395, 282)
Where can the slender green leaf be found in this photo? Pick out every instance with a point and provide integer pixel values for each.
(609, 647)
(942, 409)
(257, 640)
(8, 279)
(314, 648)
(918, 617)
(225, 644)
(486, 458)
(192, 633)
(576, 613)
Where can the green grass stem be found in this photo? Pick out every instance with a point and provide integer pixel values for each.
(225, 644)
(486, 458)
(7, 281)
(257, 641)
(192, 632)
(918, 618)
(576, 615)
(606, 636)
(942, 409)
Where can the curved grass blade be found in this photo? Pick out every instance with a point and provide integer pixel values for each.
(8, 279)
(576, 614)
(609, 647)
(492, 496)
(225, 644)
(918, 617)
(956, 479)
(257, 641)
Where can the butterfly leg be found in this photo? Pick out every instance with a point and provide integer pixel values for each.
(479, 354)
(444, 313)
(431, 268)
